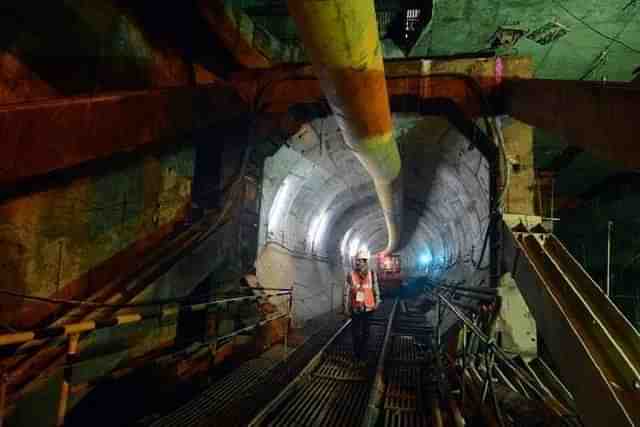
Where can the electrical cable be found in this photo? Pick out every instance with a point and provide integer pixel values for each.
(298, 253)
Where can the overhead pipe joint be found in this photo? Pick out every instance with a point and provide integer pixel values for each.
(341, 37)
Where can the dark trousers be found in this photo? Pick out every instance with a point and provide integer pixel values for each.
(360, 333)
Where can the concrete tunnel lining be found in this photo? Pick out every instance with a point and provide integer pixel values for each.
(316, 194)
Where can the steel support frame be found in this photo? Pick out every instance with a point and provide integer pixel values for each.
(41, 137)
(46, 136)
(231, 34)
(279, 88)
(595, 348)
(600, 117)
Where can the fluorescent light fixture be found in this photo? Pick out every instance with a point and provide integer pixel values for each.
(318, 228)
(426, 258)
(343, 244)
(354, 245)
(279, 205)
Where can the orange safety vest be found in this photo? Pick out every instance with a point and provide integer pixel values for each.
(362, 292)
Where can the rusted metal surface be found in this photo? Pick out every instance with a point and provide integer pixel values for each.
(343, 42)
(231, 34)
(45, 136)
(576, 318)
(599, 117)
(407, 81)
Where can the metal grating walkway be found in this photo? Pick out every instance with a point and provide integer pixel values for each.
(216, 397)
(406, 368)
(238, 397)
(336, 392)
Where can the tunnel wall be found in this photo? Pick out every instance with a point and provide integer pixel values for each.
(285, 257)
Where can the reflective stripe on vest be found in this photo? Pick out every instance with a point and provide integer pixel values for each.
(362, 292)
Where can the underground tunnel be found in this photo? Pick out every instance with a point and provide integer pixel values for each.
(303, 213)
(319, 209)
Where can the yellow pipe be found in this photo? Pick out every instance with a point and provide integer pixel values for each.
(17, 338)
(341, 37)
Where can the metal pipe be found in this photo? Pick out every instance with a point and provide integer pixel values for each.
(342, 39)
(475, 289)
(74, 328)
(609, 230)
(286, 327)
(372, 412)
(63, 401)
(436, 413)
(464, 362)
(458, 419)
(483, 298)
(504, 357)
(437, 337)
(4, 382)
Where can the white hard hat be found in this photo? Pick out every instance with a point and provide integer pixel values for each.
(362, 254)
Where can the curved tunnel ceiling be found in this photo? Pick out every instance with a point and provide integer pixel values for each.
(319, 200)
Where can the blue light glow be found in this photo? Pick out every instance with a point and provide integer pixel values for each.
(426, 258)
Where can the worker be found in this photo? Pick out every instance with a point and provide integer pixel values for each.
(361, 299)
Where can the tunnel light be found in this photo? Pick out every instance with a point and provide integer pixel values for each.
(318, 228)
(426, 258)
(279, 205)
(343, 244)
(354, 245)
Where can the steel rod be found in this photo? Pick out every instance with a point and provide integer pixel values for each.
(371, 415)
(609, 232)
(524, 377)
(73, 328)
(4, 382)
(63, 401)
(261, 416)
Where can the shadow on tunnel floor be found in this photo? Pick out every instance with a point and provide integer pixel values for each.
(138, 398)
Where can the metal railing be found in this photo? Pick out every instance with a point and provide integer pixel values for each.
(575, 317)
(531, 386)
(72, 332)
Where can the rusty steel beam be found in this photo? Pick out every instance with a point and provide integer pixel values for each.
(576, 318)
(599, 117)
(278, 89)
(224, 25)
(45, 136)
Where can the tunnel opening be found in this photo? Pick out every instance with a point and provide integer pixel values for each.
(319, 208)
